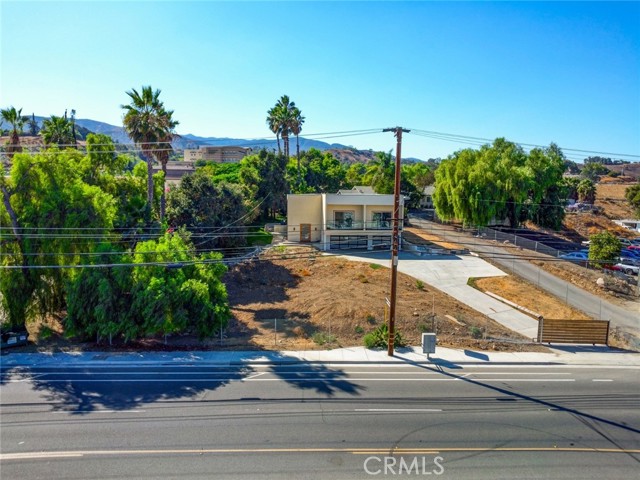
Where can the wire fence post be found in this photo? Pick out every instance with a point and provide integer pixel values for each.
(275, 331)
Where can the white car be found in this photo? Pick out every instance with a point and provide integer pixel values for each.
(627, 266)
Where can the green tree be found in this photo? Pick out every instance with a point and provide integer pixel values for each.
(150, 125)
(57, 131)
(604, 247)
(143, 295)
(323, 173)
(545, 197)
(632, 194)
(497, 181)
(586, 191)
(382, 172)
(355, 173)
(43, 196)
(263, 179)
(214, 211)
(16, 123)
(593, 171)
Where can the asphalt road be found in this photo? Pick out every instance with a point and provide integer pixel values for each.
(320, 421)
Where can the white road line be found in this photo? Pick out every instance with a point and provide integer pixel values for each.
(98, 411)
(410, 410)
(302, 379)
(602, 380)
(255, 375)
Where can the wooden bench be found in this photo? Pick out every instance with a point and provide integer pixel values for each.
(573, 331)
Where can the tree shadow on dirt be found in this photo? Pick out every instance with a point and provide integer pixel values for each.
(258, 282)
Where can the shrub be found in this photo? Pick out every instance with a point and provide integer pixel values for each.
(375, 266)
(359, 330)
(475, 332)
(419, 284)
(378, 338)
(323, 338)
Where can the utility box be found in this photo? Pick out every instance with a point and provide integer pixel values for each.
(428, 343)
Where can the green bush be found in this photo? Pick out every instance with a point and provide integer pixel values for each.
(375, 266)
(379, 338)
(323, 338)
(475, 332)
(419, 284)
(359, 330)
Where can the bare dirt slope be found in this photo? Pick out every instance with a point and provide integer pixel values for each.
(330, 301)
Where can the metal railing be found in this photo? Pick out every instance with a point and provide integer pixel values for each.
(355, 225)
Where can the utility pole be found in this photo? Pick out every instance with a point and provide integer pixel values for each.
(395, 239)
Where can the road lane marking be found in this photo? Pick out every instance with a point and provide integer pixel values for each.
(333, 378)
(98, 411)
(355, 451)
(410, 410)
(602, 380)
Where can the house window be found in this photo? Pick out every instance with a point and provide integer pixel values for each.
(347, 242)
(381, 220)
(343, 219)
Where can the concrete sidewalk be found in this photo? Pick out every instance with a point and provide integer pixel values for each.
(445, 357)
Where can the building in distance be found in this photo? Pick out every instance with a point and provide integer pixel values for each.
(221, 154)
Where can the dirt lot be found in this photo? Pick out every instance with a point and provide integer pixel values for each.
(330, 297)
(530, 297)
(610, 197)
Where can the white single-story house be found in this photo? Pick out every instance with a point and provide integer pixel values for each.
(630, 224)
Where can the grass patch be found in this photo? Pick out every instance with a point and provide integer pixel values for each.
(472, 282)
(323, 338)
(258, 237)
(375, 266)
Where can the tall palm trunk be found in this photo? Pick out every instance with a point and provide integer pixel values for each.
(285, 140)
(146, 152)
(163, 197)
(298, 157)
(278, 139)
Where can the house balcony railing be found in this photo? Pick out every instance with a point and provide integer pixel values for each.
(353, 225)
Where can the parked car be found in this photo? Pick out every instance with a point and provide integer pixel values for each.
(579, 257)
(625, 242)
(627, 266)
(633, 259)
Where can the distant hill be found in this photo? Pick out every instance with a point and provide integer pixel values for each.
(341, 152)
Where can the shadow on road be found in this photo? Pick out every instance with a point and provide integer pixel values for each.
(82, 389)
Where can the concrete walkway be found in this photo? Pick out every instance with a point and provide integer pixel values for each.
(445, 357)
(450, 275)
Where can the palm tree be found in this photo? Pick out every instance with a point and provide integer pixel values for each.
(33, 125)
(280, 120)
(285, 107)
(57, 130)
(296, 128)
(273, 121)
(148, 124)
(15, 119)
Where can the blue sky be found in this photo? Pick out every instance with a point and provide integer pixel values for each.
(539, 72)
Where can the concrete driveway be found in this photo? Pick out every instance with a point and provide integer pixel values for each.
(449, 274)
